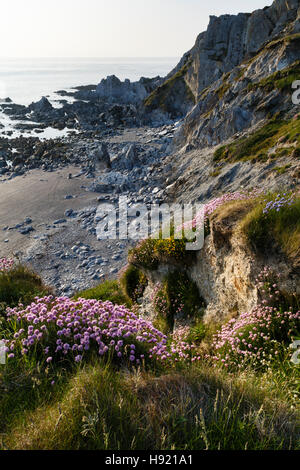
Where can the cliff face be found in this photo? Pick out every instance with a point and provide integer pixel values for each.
(226, 270)
(228, 41)
(248, 94)
(231, 39)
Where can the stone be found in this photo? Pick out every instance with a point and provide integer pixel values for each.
(26, 230)
(101, 157)
(59, 221)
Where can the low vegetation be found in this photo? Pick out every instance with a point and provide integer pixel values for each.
(176, 297)
(19, 284)
(152, 252)
(108, 290)
(100, 408)
(274, 222)
(281, 80)
(133, 282)
(86, 373)
(256, 147)
(223, 89)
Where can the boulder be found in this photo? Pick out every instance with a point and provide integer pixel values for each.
(101, 157)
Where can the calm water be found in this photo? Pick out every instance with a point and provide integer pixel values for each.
(27, 80)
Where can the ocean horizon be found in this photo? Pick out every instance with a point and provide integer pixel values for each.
(27, 80)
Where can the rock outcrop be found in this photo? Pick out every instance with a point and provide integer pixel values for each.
(250, 93)
(228, 41)
(113, 90)
(42, 106)
(225, 271)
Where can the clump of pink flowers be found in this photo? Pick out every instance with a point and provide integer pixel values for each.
(161, 304)
(256, 337)
(210, 207)
(6, 264)
(259, 336)
(57, 328)
(178, 349)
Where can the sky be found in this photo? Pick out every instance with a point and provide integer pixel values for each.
(108, 28)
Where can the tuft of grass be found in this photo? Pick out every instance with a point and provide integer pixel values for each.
(283, 227)
(20, 284)
(215, 173)
(107, 291)
(223, 89)
(256, 146)
(280, 170)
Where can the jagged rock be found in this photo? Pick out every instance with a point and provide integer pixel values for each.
(41, 106)
(102, 158)
(113, 90)
(129, 157)
(228, 41)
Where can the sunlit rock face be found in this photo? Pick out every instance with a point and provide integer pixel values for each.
(230, 39)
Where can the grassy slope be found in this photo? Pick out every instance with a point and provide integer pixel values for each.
(108, 290)
(256, 146)
(282, 227)
(199, 408)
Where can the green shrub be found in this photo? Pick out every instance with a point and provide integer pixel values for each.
(150, 253)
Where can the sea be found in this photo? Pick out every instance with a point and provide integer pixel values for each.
(27, 80)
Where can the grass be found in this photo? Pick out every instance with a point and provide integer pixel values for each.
(20, 285)
(107, 291)
(256, 146)
(280, 170)
(200, 408)
(281, 80)
(223, 89)
(283, 228)
(23, 387)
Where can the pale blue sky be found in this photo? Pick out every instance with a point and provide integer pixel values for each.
(108, 28)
